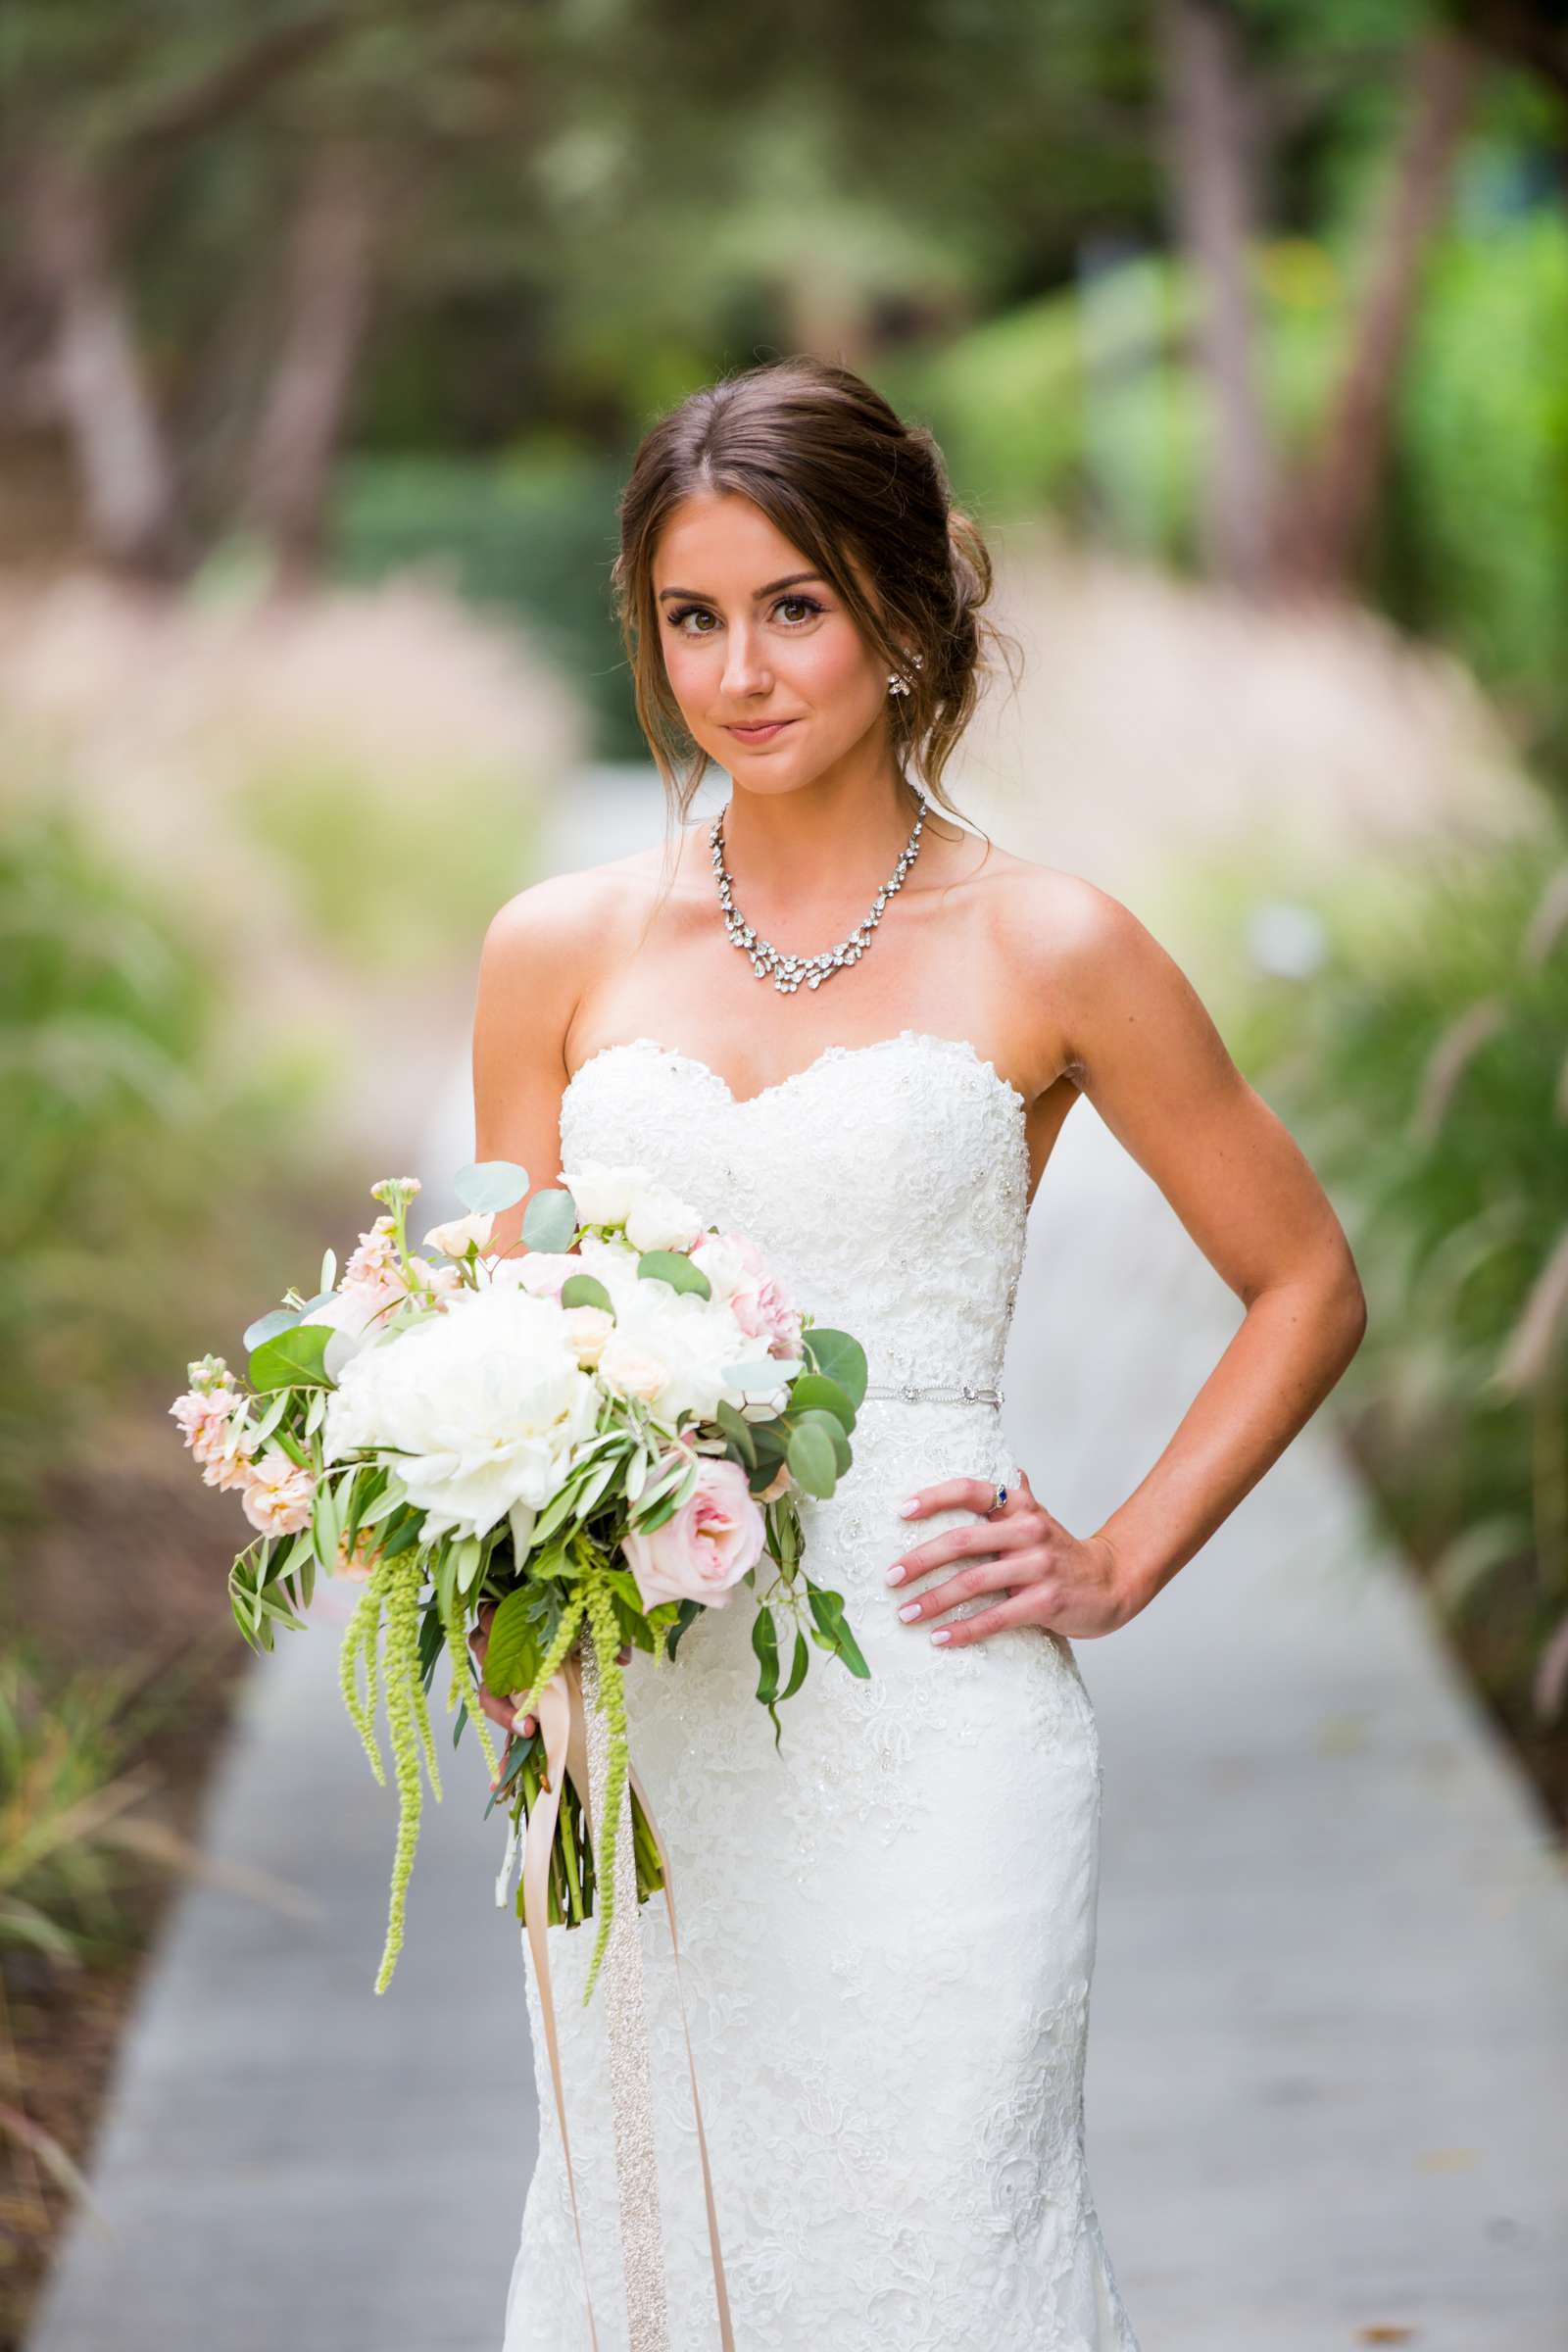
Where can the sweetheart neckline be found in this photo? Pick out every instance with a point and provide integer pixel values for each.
(829, 1053)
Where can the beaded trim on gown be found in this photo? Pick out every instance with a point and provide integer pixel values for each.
(887, 1929)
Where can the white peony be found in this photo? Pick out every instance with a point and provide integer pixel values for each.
(694, 1340)
(486, 1404)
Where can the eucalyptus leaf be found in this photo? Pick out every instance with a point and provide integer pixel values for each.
(832, 1428)
(811, 1458)
(585, 1290)
(487, 1185)
(267, 1327)
(738, 1430)
(841, 1358)
(550, 1220)
(669, 1265)
(815, 1391)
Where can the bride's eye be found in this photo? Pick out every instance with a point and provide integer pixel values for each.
(684, 612)
(807, 606)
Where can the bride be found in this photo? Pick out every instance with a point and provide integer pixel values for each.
(888, 1926)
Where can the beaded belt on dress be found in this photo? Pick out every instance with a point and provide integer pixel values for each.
(945, 1391)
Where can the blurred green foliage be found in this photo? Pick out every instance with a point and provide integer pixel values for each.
(121, 1133)
(1425, 1069)
(533, 534)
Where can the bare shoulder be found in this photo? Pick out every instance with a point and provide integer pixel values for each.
(558, 929)
(1093, 958)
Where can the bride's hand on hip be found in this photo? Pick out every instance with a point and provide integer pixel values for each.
(1040, 1573)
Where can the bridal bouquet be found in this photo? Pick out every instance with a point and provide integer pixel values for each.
(602, 1437)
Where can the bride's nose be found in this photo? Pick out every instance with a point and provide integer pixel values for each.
(746, 670)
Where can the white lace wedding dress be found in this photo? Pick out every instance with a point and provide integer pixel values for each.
(887, 1929)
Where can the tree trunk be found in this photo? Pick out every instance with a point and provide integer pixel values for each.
(127, 482)
(328, 299)
(1334, 501)
(1212, 136)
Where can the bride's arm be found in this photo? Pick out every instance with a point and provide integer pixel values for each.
(1145, 1050)
(532, 977)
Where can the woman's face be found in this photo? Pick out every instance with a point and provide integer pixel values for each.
(772, 675)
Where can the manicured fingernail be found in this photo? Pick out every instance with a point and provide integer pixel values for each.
(942, 1634)
(896, 1573)
(911, 1609)
(522, 1722)
(907, 1510)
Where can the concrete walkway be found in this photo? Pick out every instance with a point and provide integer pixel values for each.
(1328, 2085)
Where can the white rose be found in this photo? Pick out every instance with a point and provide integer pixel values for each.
(484, 1405)
(603, 1193)
(630, 1370)
(655, 1218)
(452, 1238)
(661, 1220)
(588, 1328)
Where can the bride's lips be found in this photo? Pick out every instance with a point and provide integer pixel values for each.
(760, 734)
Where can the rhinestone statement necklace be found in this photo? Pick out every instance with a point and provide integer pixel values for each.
(790, 970)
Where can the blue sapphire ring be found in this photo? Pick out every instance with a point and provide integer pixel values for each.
(1002, 1497)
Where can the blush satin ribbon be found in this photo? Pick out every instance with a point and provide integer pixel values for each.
(563, 1723)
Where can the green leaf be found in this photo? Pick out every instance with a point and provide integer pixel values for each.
(514, 1653)
(827, 1607)
(325, 1525)
(690, 1611)
(550, 1220)
(291, 1359)
(764, 1373)
(814, 1391)
(841, 1358)
(267, 1327)
(802, 1659)
(832, 1429)
(270, 1420)
(764, 1641)
(811, 1458)
(585, 1290)
(487, 1185)
(738, 1430)
(669, 1265)
(469, 1556)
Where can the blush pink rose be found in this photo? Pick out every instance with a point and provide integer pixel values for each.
(739, 1273)
(708, 1545)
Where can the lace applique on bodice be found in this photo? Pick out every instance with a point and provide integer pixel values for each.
(888, 1183)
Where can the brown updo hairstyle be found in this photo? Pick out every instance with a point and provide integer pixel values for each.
(847, 481)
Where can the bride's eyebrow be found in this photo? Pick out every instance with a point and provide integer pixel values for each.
(794, 580)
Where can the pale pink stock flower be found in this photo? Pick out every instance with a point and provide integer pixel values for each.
(208, 1422)
(375, 1261)
(278, 1493)
(707, 1546)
